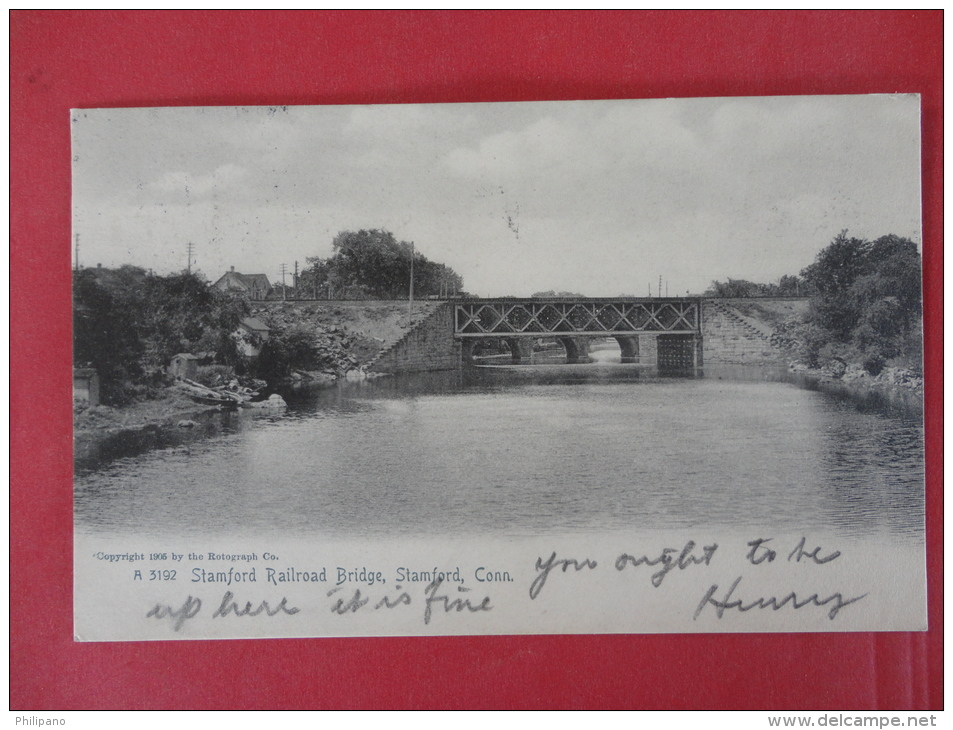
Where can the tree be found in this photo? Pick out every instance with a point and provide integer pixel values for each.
(734, 288)
(895, 264)
(788, 286)
(105, 333)
(128, 324)
(838, 266)
(552, 293)
(793, 286)
(370, 259)
(314, 281)
(374, 264)
(868, 295)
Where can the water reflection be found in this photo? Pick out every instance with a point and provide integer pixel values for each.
(494, 451)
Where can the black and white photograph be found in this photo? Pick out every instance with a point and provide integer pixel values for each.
(622, 366)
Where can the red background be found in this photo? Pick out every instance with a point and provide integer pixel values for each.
(61, 60)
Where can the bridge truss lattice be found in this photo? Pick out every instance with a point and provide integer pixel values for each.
(592, 317)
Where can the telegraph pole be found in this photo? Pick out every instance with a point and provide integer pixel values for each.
(188, 266)
(295, 280)
(284, 270)
(77, 252)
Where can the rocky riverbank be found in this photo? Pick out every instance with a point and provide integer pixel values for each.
(344, 335)
(347, 335)
(103, 433)
(168, 408)
(897, 389)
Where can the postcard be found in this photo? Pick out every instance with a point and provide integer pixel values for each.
(622, 366)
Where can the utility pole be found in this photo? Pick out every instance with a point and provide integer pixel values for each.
(77, 252)
(295, 282)
(410, 300)
(188, 266)
(284, 270)
(660, 286)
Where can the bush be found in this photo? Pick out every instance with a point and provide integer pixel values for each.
(874, 364)
(287, 350)
(868, 296)
(213, 375)
(125, 392)
(911, 351)
(129, 323)
(808, 340)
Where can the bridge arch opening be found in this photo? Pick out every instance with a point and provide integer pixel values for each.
(553, 350)
(577, 349)
(521, 350)
(493, 350)
(628, 348)
(615, 349)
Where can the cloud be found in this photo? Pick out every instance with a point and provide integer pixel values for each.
(510, 154)
(516, 197)
(223, 180)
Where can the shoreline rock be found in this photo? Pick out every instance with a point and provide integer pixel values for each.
(898, 389)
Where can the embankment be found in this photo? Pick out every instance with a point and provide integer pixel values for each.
(894, 390)
(103, 433)
(744, 331)
(351, 333)
(349, 336)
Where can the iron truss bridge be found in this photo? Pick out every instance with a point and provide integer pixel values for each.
(607, 317)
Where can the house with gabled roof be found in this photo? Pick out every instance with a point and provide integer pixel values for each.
(253, 286)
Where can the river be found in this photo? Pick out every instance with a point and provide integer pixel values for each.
(527, 451)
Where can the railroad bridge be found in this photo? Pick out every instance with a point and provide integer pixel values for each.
(664, 332)
(670, 333)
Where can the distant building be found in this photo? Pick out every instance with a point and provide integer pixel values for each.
(253, 286)
(251, 334)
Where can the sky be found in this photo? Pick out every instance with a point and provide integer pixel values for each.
(600, 198)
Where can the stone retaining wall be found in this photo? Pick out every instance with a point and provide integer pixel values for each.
(728, 338)
(428, 346)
